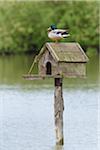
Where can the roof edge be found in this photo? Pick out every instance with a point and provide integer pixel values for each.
(72, 62)
(47, 46)
(87, 59)
(52, 52)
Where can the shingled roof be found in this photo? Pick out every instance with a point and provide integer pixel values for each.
(65, 52)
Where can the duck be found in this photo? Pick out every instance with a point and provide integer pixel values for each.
(56, 34)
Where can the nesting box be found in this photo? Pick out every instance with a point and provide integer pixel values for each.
(64, 59)
(59, 60)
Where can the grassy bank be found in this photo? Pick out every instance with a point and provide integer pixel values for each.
(23, 25)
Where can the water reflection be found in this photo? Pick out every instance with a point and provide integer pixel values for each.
(58, 147)
(13, 67)
(27, 109)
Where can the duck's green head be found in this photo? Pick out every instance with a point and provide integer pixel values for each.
(53, 27)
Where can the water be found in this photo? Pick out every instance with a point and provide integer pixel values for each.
(26, 109)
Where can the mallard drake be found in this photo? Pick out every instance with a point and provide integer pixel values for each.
(57, 34)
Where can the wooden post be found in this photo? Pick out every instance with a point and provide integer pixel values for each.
(58, 111)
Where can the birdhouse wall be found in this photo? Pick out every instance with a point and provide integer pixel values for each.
(44, 59)
(67, 69)
(72, 69)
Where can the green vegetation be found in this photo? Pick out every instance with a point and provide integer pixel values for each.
(23, 25)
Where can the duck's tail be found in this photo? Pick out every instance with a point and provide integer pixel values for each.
(65, 35)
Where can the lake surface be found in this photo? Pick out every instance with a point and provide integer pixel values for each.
(27, 114)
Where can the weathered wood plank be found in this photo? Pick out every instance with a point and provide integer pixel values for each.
(66, 52)
(58, 111)
(34, 77)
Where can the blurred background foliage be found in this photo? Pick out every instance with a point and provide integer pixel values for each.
(23, 24)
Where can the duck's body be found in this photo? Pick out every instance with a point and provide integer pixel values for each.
(57, 34)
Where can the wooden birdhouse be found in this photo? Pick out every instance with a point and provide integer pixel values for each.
(60, 59)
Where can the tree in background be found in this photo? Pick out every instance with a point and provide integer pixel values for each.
(23, 25)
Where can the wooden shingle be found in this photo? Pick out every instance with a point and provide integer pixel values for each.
(67, 52)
